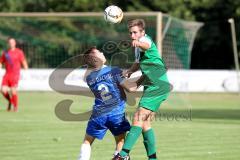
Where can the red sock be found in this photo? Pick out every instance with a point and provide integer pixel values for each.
(14, 100)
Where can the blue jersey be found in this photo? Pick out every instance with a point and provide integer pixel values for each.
(110, 97)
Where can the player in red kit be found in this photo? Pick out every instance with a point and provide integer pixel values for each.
(13, 58)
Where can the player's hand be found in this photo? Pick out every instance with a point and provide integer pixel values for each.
(127, 73)
(26, 75)
(135, 43)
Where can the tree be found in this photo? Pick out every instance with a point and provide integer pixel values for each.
(213, 41)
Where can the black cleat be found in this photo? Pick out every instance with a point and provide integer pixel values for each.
(118, 157)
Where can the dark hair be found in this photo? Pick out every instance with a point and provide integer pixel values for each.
(137, 22)
(88, 59)
(11, 38)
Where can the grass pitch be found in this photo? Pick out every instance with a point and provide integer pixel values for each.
(188, 127)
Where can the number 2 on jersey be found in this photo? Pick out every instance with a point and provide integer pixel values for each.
(104, 91)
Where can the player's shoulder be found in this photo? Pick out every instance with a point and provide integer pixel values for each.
(93, 73)
(146, 39)
(19, 51)
(115, 69)
(110, 69)
(89, 74)
(105, 68)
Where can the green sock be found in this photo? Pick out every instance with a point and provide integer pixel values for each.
(131, 139)
(150, 144)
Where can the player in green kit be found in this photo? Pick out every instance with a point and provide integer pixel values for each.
(156, 89)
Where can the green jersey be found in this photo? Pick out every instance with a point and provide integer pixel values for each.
(151, 55)
(156, 85)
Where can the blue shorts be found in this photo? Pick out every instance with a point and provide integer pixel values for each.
(117, 124)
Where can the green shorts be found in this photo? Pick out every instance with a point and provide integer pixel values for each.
(152, 98)
(156, 86)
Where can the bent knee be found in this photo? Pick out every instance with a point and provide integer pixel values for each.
(4, 89)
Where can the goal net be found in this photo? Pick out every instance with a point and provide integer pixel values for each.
(178, 38)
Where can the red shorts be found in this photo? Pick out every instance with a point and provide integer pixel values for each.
(10, 80)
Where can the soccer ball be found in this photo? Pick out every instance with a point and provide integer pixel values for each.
(113, 14)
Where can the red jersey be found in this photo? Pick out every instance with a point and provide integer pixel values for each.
(12, 60)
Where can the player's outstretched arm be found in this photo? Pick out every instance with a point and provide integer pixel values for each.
(135, 67)
(24, 64)
(129, 86)
(140, 80)
(132, 86)
(139, 44)
(2, 59)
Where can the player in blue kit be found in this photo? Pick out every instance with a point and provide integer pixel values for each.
(107, 85)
